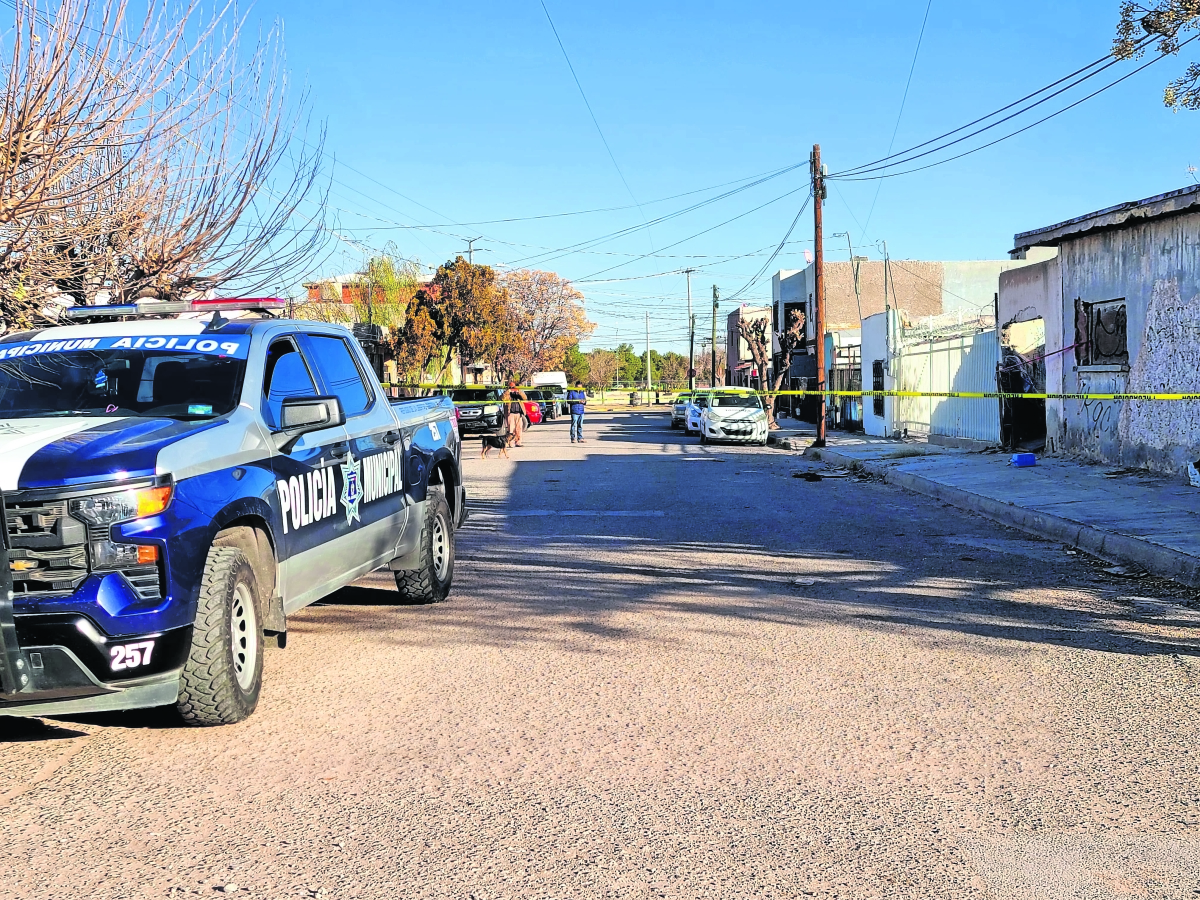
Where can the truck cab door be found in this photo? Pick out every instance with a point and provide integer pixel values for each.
(307, 486)
(376, 450)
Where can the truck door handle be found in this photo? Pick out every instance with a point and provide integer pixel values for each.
(391, 437)
(339, 451)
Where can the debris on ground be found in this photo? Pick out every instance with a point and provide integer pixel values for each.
(1124, 572)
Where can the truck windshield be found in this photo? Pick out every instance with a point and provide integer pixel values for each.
(184, 377)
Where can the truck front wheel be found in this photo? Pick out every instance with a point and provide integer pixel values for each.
(430, 583)
(223, 674)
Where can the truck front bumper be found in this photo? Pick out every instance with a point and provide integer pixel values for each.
(62, 664)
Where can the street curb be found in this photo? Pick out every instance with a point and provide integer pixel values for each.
(1107, 545)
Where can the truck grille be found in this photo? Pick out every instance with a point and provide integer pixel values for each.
(48, 551)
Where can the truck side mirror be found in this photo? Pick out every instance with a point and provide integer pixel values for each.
(300, 415)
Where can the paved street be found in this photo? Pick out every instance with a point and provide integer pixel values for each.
(665, 670)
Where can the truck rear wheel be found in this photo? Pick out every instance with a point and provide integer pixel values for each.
(430, 583)
(223, 673)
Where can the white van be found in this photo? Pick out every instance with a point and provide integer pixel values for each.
(556, 382)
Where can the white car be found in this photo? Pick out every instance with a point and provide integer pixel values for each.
(734, 416)
(697, 405)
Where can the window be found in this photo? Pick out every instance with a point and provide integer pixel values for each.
(1101, 333)
(286, 376)
(340, 373)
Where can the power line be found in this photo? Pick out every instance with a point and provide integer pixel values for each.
(998, 140)
(558, 253)
(903, 157)
(595, 121)
(757, 275)
(696, 235)
(900, 114)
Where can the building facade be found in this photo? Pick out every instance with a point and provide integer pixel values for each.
(1120, 310)
(740, 368)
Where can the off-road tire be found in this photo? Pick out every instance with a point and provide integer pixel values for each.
(209, 688)
(424, 584)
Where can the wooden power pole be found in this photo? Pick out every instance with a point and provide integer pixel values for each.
(818, 189)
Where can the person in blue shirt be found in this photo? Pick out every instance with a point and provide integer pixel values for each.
(578, 400)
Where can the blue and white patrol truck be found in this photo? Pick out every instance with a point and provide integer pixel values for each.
(177, 482)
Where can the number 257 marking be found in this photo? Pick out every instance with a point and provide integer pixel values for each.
(130, 656)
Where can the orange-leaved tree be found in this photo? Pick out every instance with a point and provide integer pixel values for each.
(468, 312)
(548, 318)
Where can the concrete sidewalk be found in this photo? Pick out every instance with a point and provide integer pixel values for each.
(1135, 519)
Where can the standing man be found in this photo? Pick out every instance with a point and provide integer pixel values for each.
(578, 400)
(516, 412)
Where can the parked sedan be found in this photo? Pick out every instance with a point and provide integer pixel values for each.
(734, 416)
(695, 407)
(679, 410)
(479, 409)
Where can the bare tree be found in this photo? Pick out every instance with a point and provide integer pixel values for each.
(165, 168)
(218, 198)
(76, 108)
(757, 336)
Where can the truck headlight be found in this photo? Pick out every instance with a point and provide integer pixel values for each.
(108, 509)
(111, 555)
(491, 409)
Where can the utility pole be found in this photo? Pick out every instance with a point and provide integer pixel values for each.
(471, 249)
(692, 354)
(691, 334)
(649, 367)
(818, 189)
(713, 358)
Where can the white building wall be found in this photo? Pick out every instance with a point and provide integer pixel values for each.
(875, 347)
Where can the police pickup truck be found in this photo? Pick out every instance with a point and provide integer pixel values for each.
(174, 488)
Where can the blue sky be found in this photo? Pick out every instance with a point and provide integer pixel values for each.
(468, 109)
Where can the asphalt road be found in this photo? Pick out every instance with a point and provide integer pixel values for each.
(665, 670)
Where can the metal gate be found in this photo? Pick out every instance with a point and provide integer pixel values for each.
(962, 363)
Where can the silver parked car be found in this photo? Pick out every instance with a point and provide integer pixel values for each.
(679, 410)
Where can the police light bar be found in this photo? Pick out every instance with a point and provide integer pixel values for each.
(175, 307)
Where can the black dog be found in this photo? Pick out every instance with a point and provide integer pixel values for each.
(494, 442)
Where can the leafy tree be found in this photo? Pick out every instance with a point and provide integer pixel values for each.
(575, 365)
(414, 344)
(602, 369)
(630, 366)
(1162, 22)
(470, 313)
(672, 371)
(379, 294)
(548, 319)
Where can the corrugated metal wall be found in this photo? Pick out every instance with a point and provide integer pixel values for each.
(953, 364)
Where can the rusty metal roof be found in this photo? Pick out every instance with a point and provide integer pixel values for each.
(1169, 204)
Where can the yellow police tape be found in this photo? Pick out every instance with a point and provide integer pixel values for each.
(953, 395)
